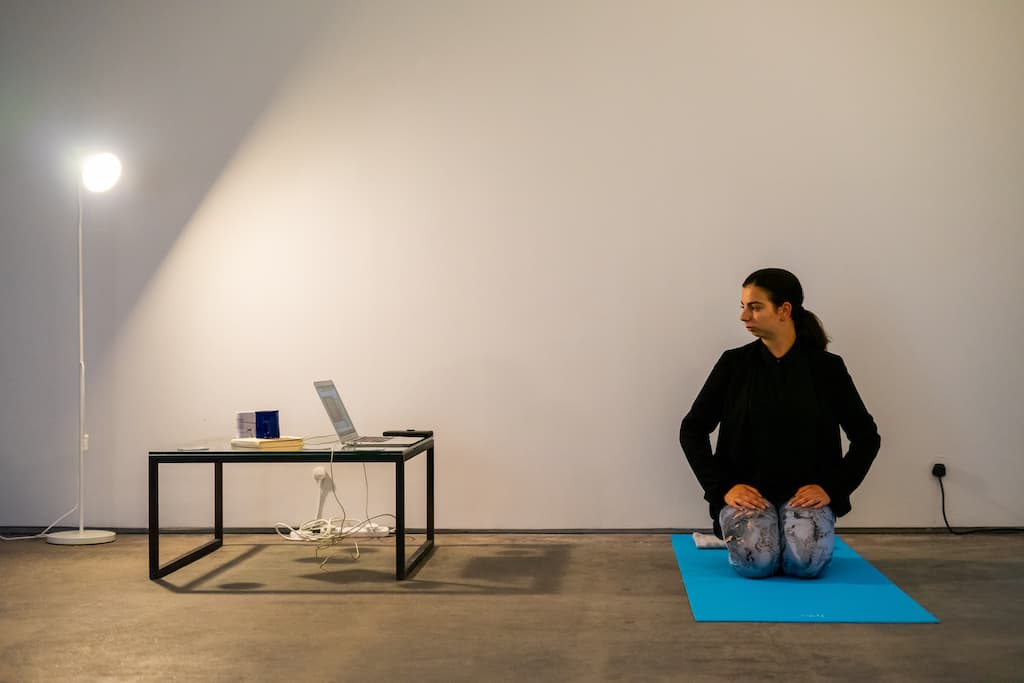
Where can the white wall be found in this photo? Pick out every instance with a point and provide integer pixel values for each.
(546, 209)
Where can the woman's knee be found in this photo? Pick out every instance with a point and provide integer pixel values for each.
(753, 565)
(808, 540)
(752, 539)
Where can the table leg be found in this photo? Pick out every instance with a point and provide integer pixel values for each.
(218, 501)
(154, 519)
(423, 551)
(155, 570)
(400, 569)
(430, 495)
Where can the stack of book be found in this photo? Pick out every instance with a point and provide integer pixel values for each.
(283, 443)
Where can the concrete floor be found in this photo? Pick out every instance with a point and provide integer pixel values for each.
(484, 608)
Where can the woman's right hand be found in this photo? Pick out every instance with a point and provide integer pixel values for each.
(745, 497)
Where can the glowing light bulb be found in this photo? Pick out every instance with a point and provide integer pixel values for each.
(100, 172)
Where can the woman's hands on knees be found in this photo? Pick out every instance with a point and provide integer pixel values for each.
(746, 498)
(810, 496)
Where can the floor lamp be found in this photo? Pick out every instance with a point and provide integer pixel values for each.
(100, 172)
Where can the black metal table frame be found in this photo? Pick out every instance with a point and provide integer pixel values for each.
(219, 457)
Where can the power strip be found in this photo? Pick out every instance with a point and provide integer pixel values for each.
(370, 530)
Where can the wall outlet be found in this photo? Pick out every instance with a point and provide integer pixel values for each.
(938, 470)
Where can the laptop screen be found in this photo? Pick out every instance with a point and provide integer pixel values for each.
(335, 410)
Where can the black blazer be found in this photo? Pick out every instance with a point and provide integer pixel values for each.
(723, 403)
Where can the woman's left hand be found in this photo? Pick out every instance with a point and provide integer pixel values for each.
(810, 496)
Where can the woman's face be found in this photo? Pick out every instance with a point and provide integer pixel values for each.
(760, 316)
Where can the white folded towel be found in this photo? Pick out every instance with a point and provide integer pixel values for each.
(707, 541)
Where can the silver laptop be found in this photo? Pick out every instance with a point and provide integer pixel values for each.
(346, 431)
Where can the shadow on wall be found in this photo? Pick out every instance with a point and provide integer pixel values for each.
(182, 118)
(172, 88)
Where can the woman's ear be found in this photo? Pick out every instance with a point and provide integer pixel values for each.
(786, 310)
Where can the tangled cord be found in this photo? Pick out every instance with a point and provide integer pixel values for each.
(327, 532)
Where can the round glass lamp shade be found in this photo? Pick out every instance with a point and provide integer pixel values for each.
(100, 172)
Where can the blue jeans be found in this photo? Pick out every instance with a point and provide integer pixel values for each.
(799, 541)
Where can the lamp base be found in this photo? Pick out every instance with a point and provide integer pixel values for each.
(84, 537)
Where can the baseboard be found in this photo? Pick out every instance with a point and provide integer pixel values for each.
(29, 531)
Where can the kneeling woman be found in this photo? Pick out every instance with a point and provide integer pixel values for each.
(778, 477)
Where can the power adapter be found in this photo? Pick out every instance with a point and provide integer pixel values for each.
(938, 470)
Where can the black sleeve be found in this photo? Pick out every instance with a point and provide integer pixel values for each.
(860, 429)
(696, 428)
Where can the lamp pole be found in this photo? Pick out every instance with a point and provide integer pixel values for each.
(99, 173)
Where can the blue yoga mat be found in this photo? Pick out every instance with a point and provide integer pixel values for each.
(850, 590)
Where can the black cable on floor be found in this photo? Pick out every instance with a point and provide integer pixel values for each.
(985, 530)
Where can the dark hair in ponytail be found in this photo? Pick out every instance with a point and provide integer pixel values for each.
(782, 286)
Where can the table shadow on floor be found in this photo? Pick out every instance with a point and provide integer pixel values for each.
(274, 568)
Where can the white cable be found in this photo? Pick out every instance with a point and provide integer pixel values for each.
(327, 532)
(43, 533)
(324, 532)
(331, 529)
(320, 528)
